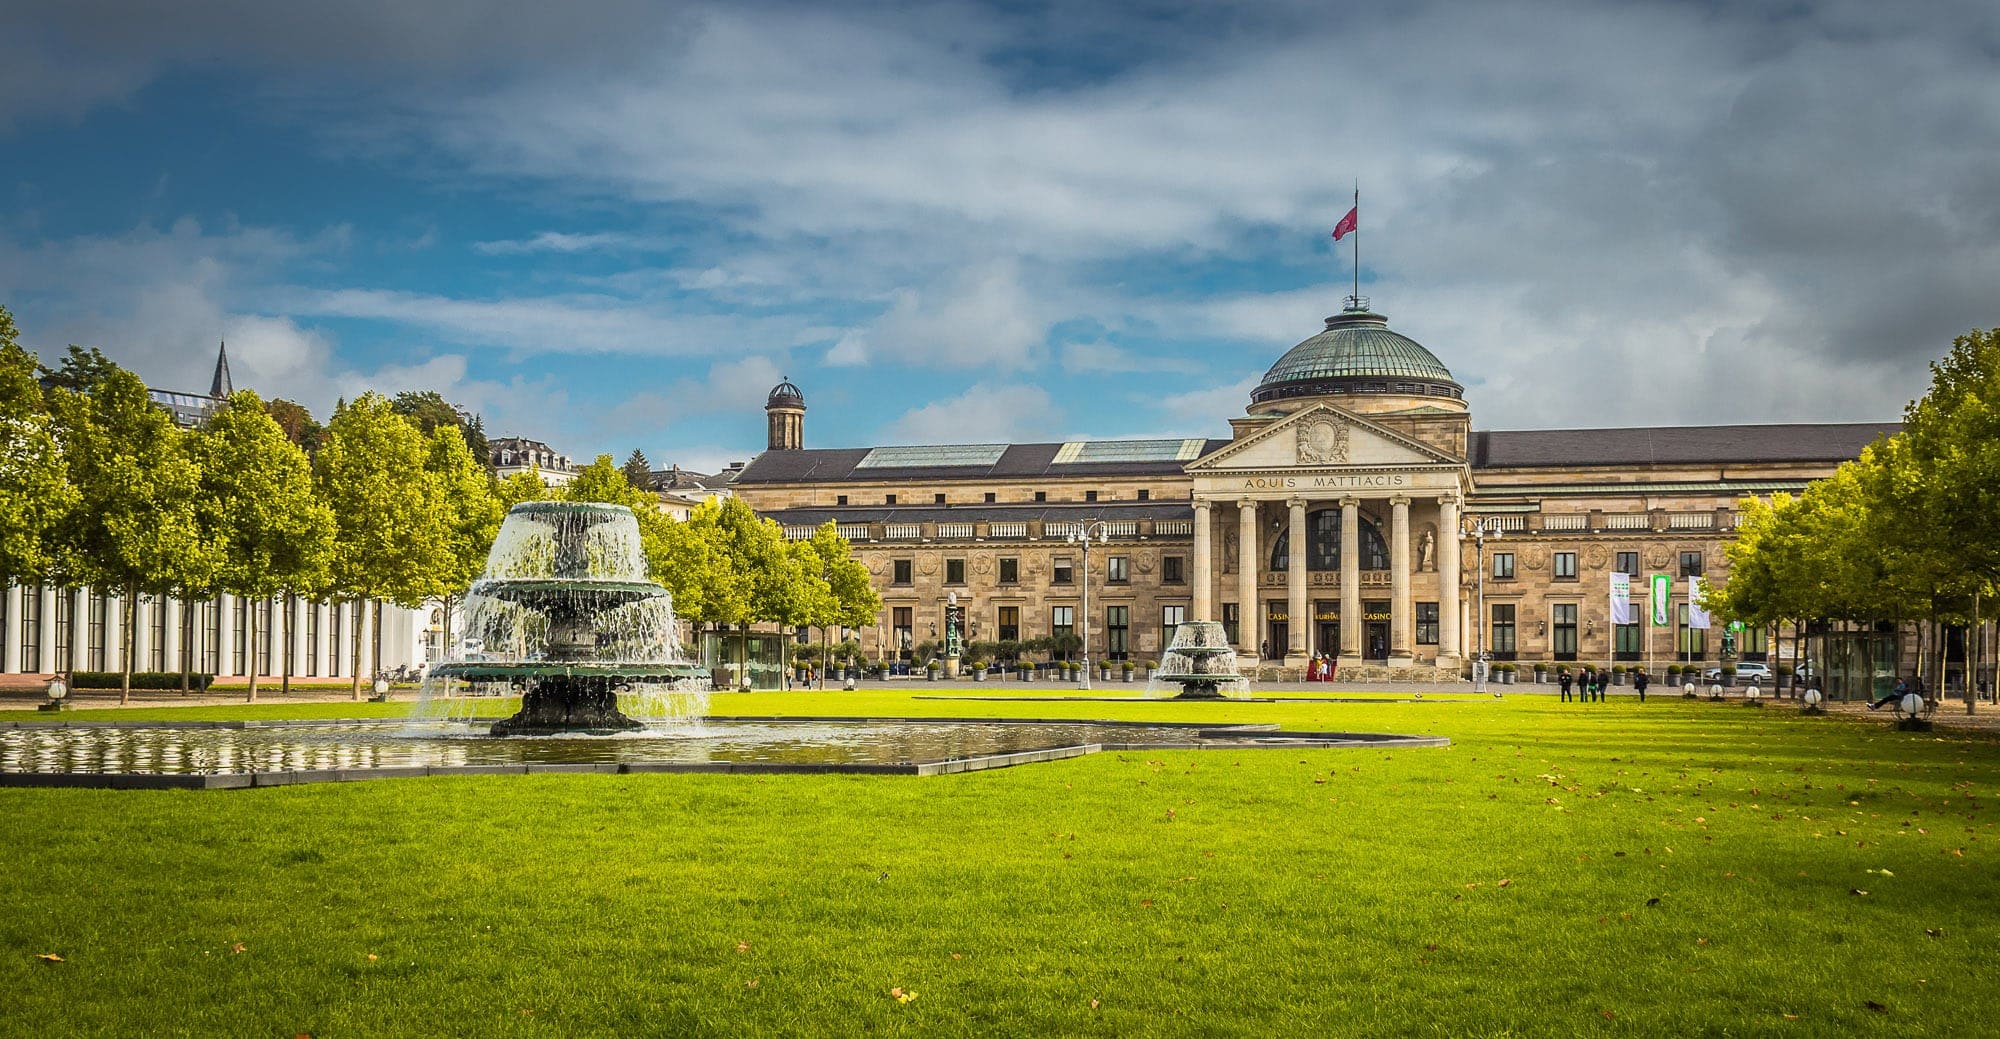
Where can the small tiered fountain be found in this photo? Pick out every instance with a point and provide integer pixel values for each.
(566, 615)
(1202, 661)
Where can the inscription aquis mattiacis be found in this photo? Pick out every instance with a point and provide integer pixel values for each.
(1282, 483)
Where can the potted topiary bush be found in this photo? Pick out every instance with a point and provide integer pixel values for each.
(1128, 667)
(1729, 674)
(1617, 674)
(979, 670)
(1541, 673)
(931, 670)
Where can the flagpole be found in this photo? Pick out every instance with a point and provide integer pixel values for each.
(1357, 245)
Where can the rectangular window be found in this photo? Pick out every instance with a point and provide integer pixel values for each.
(1690, 564)
(100, 608)
(1172, 570)
(31, 629)
(1090, 496)
(954, 571)
(900, 635)
(312, 639)
(1041, 496)
(902, 571)
(1628, 563)
(1427, 624)
(1501, 638)
(1010, 571)
(937, 499)
(1230, 616)
(1565, 566)
(156, 652)
(1503, 564)
(888, 499)
(1754, 643)
(841, 500)
(1118, 569)
(1118, 631)
(1172, 617)
(991, 497)
(1563, 644)
(1010, 623)
(1627, 639)
(1692, 644)
(1065, 573)
(1062, 622)
(1145, 495)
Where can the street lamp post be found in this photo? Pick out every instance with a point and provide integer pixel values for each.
(1081, 535)
(1481, 530)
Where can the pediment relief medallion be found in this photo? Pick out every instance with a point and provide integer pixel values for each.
(1322, 440)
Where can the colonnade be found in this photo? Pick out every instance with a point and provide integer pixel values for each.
(1402, 614)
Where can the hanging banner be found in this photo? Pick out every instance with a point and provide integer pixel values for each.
(1621, 598)
(1697, 617)
(1663, 597)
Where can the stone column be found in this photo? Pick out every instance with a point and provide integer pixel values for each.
(1351, 621)
(225, 633)
(1402, 614)
(12, 636)
(171, 638)
(1246, 578)
(1295, 585)
(142, 633)
(1204, 600)
(1451, 647)
(79, 629)
(49, 663)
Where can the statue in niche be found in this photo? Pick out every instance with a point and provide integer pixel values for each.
(1229, 552)
(1427, 552)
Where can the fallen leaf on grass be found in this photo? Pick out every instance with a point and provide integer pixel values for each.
(1504, 883)
(237, 947)
(1790, 1017)
(752, 983)
(1145, 901)
(955, 956)
(1652, 901)
(49, 957)
(1093, 1004)
(742, 946)
(372, 957)
(1856, 891)
(1935, 932)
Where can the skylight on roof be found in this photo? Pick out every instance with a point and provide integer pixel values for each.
(930, 455)
(1080, 452)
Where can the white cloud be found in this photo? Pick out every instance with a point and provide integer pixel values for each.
(984, 318)
(983, 414)
(563, 242)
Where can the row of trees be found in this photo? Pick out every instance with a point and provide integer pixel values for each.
(1910, 531)
(99, 487)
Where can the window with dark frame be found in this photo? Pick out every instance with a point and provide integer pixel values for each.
(937, 499)
(900, 622)
(991, 497)
(1565, 564)
(1427, 624)
(1231, 615)
(1690, 564)
(1010, 623)
(1501, 635)
(1503, 565)
(888, 499)
(1010, 571)
(1118, 570)
(1627, 639)
(1563, 640)
(1090, 496)
(1062, 622)
(1172, 570)
(1145, 495)
(840, 500)
(954, 571)
(1063, 572)
(1118, 631)
(1041, 496)
(1628, 563)
(901, 568)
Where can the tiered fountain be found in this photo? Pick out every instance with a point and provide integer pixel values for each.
(566, 615)
(1201, 660)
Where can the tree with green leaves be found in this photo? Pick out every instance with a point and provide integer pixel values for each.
(517, 487)
(35, 491)
(258, 499)
(135, 527)
(431, 412)
(81, 370)
(473, 515)
(299, 425)
(638, 471)
(391, 518)
(843, 596)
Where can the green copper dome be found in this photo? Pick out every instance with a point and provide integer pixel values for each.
(1357, 354)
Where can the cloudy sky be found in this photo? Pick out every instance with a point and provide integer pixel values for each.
(612, 224)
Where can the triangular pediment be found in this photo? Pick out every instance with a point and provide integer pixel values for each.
(1320, 437)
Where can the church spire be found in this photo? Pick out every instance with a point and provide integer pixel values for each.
(221, 386)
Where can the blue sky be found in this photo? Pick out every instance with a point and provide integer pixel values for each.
(614, 224)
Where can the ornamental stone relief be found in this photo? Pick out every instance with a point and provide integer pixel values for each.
(927, 563)
(1534, 557)
(982, 565)
(1146, 561)
(1657, 557)
(1597, 557)
(1321, 441)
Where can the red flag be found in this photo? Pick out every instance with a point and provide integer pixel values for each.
(1347, 224)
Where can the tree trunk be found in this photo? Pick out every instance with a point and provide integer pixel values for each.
(127, 645)
(357, 630)
(187, 637)
(250, 645)
(377, 661)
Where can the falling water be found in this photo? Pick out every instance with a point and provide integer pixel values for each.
(566, 599)
(1199, 653)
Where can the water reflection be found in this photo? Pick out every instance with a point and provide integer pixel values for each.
(109, 750)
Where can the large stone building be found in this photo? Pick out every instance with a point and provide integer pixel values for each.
(1336, 519)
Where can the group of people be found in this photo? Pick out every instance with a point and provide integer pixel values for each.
(1592, 681)
(1321, 668)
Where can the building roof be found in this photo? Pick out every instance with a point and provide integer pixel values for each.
(785, 395)
(1674, 445)
(978, 461)
(1357, 353)
(807, 516)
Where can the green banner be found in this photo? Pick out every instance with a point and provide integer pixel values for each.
(1663, 597)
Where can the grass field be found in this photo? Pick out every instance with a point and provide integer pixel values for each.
(1672, 868)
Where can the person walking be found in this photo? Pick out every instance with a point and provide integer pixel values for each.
(1603, 680)
(1639, 683)
(1583, 685)
(1563, 679)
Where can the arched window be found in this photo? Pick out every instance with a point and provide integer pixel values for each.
(1323, 544)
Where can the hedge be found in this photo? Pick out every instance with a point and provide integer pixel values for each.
(198, 681)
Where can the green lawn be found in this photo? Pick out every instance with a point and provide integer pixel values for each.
(1667, 869)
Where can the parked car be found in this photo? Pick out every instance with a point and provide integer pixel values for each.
(1746, 672)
